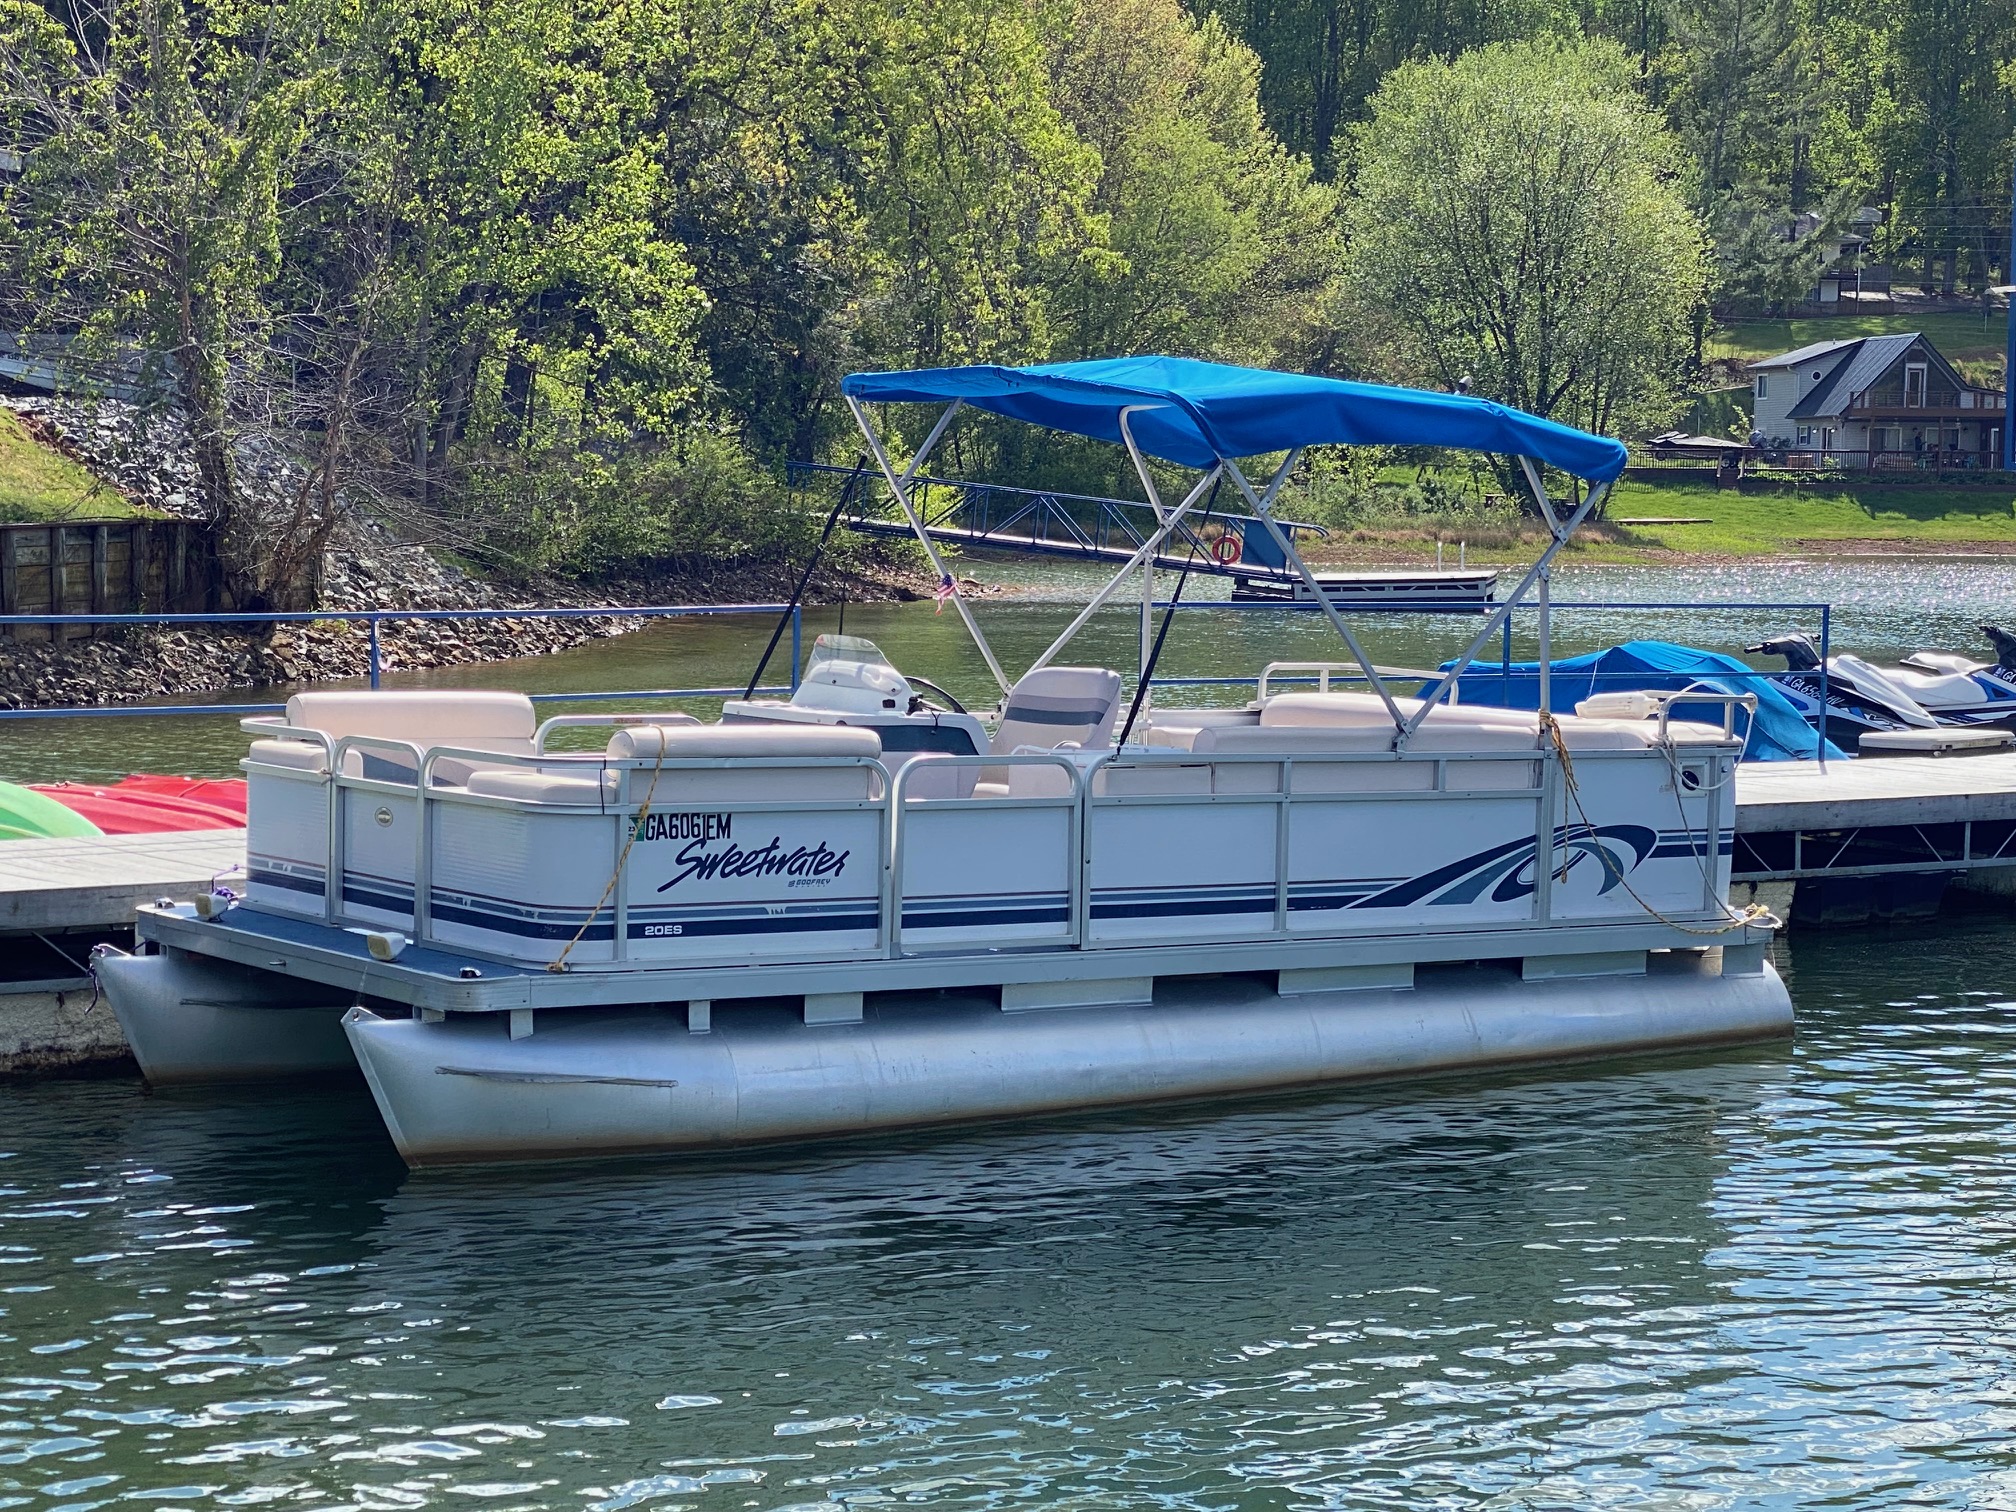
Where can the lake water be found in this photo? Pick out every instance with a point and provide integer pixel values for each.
(1882, 607)
(1779, 1278)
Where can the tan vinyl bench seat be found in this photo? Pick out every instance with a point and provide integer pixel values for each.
(813, 745)
(529, 786)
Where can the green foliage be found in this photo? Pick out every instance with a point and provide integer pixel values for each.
(1219, 239)
(699, 510)
(1326, 58)
(1784, 106)
(1515, 223)
(1378, 488)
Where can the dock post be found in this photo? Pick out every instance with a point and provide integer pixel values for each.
(373, 622)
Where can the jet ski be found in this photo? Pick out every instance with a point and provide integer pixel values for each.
(1931, 689)
(1997, 679)
(1859, 698)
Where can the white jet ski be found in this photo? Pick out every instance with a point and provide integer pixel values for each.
(1944, 680)
(1923, 694)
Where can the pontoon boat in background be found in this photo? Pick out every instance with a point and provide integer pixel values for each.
(862, 909)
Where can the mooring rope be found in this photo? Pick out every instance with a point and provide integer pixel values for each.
(559, 962)
(1755, 913)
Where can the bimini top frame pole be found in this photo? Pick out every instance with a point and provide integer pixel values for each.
(900, 487)
(1204, 415)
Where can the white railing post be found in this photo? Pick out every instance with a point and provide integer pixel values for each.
(1503, 612)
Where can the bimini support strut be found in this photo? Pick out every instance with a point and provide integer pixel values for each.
(1540, 573)
(1263, 509)
(900, 487)
(1154, 497)
(1144, 554)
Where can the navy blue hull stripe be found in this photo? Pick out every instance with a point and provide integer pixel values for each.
(282, 880)
(962, 919)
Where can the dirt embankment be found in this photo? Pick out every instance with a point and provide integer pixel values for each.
(365, 570)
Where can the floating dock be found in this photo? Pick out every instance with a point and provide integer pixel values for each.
(1861, 840)
(60, 897)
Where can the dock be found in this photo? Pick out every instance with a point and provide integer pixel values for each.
(55, 886)
(60, 897)
(1798, 820)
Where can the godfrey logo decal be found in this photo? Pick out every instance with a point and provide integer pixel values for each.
(706, 857)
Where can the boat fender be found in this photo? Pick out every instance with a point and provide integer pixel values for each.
(215, 903)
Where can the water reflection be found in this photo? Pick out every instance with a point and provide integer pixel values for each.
(1774, 1279)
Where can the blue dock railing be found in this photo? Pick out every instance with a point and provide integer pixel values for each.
(374, 618)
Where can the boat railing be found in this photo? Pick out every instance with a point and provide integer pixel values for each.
(1300, 673)
(1074, 860)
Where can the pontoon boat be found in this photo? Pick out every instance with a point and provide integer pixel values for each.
(864, 909)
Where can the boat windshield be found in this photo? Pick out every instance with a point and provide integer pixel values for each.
(850, 661)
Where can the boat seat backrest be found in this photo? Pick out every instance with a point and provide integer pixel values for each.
(479, 720)
(528, 786)
(814, 776)
(1056, 706)
(1469, 727)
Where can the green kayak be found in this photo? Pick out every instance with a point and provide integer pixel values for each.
(29, 815)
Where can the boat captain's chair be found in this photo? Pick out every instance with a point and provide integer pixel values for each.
(1050, 708)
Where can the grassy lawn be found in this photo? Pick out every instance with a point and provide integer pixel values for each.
(1963, 338)
(1747, 524)
(38, 482)
(1915, 516)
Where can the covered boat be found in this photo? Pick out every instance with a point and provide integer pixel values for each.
(1774, 731)
(866, 908)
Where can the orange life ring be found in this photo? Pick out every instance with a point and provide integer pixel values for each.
(1226, 549)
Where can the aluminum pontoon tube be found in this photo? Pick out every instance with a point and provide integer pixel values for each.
(463, 1092)
(193, 1020)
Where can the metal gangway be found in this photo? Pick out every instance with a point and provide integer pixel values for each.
(1047, 522)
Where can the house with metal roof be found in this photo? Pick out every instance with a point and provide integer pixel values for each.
(1874, 401)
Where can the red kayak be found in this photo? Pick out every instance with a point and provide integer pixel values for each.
(146, 805)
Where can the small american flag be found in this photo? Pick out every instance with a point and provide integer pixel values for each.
(945, 591)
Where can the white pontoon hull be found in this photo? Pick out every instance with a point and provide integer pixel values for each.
(463, 1091)
(191, 1020)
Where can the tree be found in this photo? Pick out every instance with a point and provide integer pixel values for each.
(1517, 215)
(375, 239)
(160, 145)
(1324, 58)
(1219, 242)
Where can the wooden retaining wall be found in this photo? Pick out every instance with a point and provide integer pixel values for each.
(104, 567)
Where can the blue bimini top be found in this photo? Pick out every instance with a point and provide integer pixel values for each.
(1199, 413)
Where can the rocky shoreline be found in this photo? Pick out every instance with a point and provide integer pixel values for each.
(366, 569)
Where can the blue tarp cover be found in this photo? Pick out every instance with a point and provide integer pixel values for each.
(1781, 732)
(1205, 411)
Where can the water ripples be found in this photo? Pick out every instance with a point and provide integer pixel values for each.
(1780, 1278)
